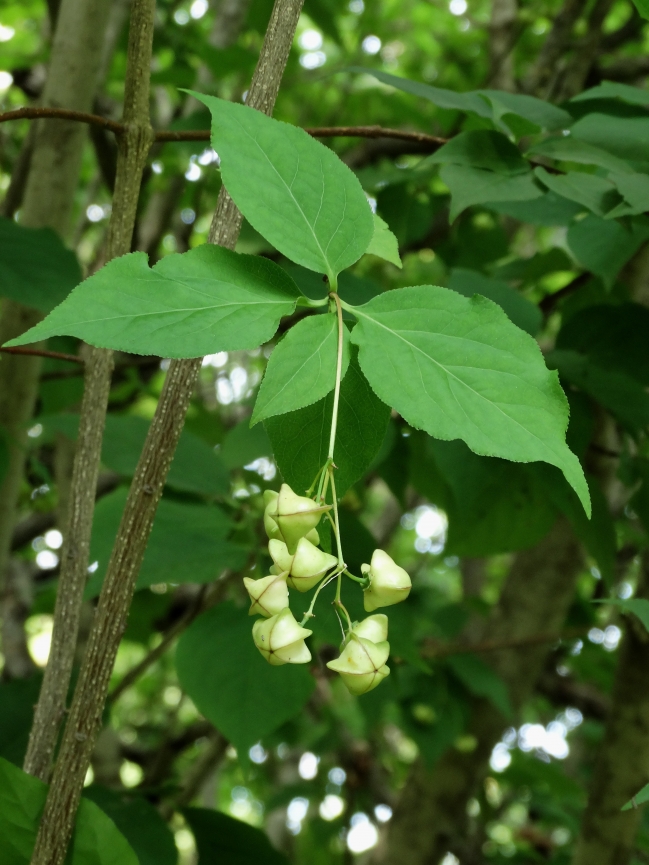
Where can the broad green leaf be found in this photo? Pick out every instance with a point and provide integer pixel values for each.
(549, 209)
(35, 267)
(604, 246)
(312, 208)
(139, 822)
(354, 289)
(408, 216)
(481, 681)
(624, 396)
(625, 137)
(242, 445)
(638, 606)
(569, 149)
(595, 193)
(635, 189)
(458, 368)
(187, 545)
(203, 301)
(615, 337)
(300, 439)
(475, 186)
(220, 668)
(531, 270)
(612, 89)
(519, 309)
(643, 795)
(482, 148)
(96, 839)
(195, 468)
(492, 104)
(222, 840)
(302, 367)
(383, 243)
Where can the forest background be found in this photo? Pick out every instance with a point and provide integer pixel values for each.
(514, 726)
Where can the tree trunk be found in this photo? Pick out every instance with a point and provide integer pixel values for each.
(431, 815)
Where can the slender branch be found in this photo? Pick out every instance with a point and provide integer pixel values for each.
(204, 134)
(135, 527)
(433, 651)
(55, 355)
(339, 369)
(63, 798)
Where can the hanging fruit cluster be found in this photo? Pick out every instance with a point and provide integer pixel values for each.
(290, 521)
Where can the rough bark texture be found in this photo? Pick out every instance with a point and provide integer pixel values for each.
(133, 148)
(431, 814)
(49, 195)
(622, 764)
(112, 610)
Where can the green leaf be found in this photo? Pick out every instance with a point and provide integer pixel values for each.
(96, 840)
(635, 189)
(195, 468)
(383, 243)
(595, 193)
(643, 796)
(625, 137)
(481, 681)
(537, 111)
(549, 209)
(612, 89)
(638, 606)
(302, 367)
(624, 396)
(222, 840)
(229, 681)
(17, 698)
(300, 439)
(519, 309)
(139, 822)
(187, 545)
(531, 270)
(475, 186)
(35, 267)
(313, 209)
(482, 148)
(203, 301)
(458, 368)
(604, 246)
(572, 150)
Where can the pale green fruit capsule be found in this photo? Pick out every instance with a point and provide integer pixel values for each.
(296, 516)
(270, 519)
(389, 584)
(306, 567)
(374, 628)
(281, 640)
(362, 664)
(269, 595)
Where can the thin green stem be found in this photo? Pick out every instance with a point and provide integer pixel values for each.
(334, 498)
(338, 603)
(339, 370)
(362, 580)
(323, 583)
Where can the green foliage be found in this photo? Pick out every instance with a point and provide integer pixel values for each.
(481, 681)
(139, 822)
(205, 301)
(604, 246)
(17, 699)
(96, 840)
(471, 186)
(326, 223)
(221, 840)
(300, 439)
(520, 311)
(638, 606)
(188, 543)
(458, 368)
(224, 674)
(482, 148)
(383, 243)
(35, 267)
(302, 368)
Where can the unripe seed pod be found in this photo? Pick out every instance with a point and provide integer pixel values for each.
(269, 595)
(389, 584)
(280, 639)
(306, 567)
(362, 664)
(374, 628)
(270, 519)
(296, 516)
